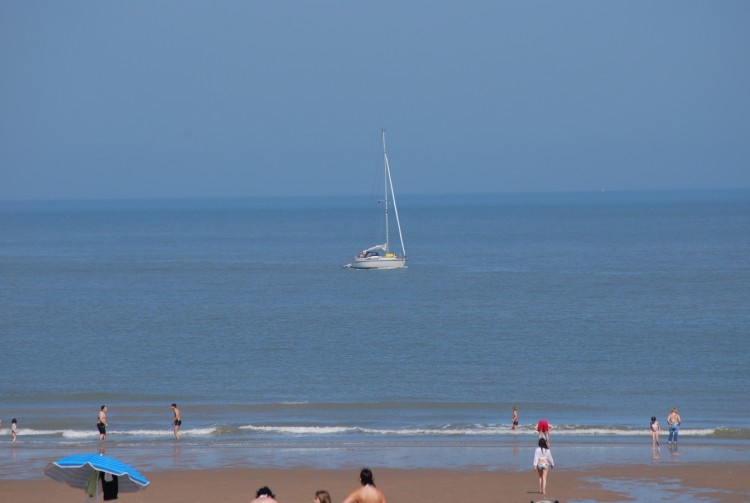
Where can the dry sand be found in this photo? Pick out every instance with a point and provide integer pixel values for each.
(707, 482)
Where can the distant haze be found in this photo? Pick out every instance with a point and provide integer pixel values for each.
(182, 98)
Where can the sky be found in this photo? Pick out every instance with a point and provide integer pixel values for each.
(109, 99)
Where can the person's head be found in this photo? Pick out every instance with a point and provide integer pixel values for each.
(365, 477)
(653, 418)
(174, 405)
(103, 408)
(322, 497)
(13, 421)
(264, 491)
(543, 443)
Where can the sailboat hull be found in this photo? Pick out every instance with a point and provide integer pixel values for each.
(378, 263)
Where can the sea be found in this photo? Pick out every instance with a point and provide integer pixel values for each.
(593, 310)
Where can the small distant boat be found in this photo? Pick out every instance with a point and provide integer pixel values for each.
(380, 256)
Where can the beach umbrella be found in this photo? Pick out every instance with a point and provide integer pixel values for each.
(84, 471)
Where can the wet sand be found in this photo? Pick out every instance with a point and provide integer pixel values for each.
(720, 482)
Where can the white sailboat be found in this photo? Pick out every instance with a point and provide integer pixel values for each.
(381, 256)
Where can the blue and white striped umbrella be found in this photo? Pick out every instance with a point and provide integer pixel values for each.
(75, 471)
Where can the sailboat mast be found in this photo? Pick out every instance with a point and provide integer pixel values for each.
(395, 211)
(385, 191)
(389, 182)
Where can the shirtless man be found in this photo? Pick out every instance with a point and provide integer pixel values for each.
(368, 493)
(515, 418)
(101, 422)
(673, 420)
(177, 421)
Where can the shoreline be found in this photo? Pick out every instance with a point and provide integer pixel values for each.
(26, 460)
(585, 472)
(719, 482)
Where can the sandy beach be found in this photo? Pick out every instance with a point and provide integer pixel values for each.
(689, 482)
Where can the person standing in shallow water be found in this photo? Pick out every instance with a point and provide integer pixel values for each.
(654, 432)
(544, 428)
(176, 421)
(673, 420)
(515, 418)
(368, 493)
(101, 422)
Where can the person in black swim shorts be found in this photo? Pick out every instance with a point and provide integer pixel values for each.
(177, 421)
(101, 422)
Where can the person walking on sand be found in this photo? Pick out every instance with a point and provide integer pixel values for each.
(13, 426)
(176, 421)
(515, 417)
(674, 420)
(264, 495)
(654, 432)
(101, 422)
(368, 493)
(544, 428)
(543, 462)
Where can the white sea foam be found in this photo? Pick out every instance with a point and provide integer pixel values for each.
(168, 432)
(470, 430)
(73, 433)
(311, 430)
(83, 434)
(595, 431)
(302, 430)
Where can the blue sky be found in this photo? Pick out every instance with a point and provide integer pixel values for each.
(181, 98)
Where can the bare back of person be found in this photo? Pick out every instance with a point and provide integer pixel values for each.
(366, 494)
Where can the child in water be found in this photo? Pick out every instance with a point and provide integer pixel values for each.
(654, 432)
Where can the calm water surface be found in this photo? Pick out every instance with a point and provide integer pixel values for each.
(595, 311)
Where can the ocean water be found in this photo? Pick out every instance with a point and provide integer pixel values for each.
(595, 311)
